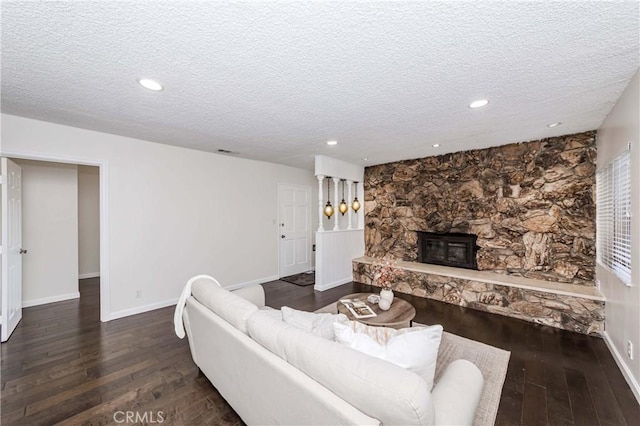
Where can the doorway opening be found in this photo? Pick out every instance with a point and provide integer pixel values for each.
(64, 239)
(89, 233)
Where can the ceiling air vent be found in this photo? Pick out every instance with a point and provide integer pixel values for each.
(226, 151)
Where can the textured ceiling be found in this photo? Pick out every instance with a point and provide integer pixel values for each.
(275, 81)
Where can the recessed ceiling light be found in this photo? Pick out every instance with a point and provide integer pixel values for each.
(479, 103)
(435, 145)
(332, 142)
(365, 159)
(556, 124)
(150, 84)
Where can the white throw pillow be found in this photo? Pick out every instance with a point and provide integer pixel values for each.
(415, 348)
(319, 324)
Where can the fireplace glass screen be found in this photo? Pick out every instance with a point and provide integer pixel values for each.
(451, 249)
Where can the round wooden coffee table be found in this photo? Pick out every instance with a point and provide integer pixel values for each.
(400, 315)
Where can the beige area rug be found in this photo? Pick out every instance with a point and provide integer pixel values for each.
(491, 361)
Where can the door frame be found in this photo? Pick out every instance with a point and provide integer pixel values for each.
(103, 165)
(309, 217)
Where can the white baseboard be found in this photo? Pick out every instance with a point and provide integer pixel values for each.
(153, 306)
(89, 275)
(142, 309)
(250, 283)
(333, 284)
(626, 372)
(52, 299)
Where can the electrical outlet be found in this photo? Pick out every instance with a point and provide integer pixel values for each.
(138, 294)
(630, 349)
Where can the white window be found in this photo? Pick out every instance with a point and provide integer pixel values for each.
(613, 217)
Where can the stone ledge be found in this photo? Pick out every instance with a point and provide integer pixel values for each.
(575, 290)
(566, 306)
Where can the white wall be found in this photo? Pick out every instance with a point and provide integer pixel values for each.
(88, 221)
(49, 232)
(172, 212)
(335, 251)
(622, 321)
(0, 243)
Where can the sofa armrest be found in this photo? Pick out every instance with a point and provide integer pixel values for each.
(457, 393)
(254, 294)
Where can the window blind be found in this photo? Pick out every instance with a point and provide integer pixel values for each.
(613, 217)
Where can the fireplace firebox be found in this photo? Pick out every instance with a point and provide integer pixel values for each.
(453, 249)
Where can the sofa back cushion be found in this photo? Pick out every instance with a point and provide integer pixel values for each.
(319, 324)
(231, 307)
(253, 293)
(376, 387)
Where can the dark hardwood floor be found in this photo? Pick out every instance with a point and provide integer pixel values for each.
(63, 366)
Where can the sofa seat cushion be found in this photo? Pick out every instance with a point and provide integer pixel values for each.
(376, 387)
(231, 307)
(414, 348)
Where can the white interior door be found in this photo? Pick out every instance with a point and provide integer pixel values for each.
(12, 250)
(294, 229)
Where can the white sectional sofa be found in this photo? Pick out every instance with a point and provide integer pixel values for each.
(273, 373)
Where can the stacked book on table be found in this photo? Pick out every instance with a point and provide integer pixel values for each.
(358, 308)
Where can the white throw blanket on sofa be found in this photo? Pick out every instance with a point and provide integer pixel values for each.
(186, 292)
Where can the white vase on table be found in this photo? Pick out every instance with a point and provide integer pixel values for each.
(384, 304)
(386, 295)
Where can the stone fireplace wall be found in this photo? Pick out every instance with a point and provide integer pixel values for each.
(531, 204)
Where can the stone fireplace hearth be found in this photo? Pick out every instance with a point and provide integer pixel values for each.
(570, 307)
